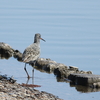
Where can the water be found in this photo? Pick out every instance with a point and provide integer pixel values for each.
(71, 30)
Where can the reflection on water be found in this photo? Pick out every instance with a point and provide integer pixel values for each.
(84, 89)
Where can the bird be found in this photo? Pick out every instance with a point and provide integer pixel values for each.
(32, 52)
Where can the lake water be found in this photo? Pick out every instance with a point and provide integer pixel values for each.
(72, 33)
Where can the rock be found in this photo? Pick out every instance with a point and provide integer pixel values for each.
(6, 47)
(73, 68)
(84, 79)
(18, 55)
(61, 71)
(5, 50)
(96, 85)
(9, 79)
(53, 66)
(4, 96)
(41, 62)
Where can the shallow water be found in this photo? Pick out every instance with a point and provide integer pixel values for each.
(71, 30)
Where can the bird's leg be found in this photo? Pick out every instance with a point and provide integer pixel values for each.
(33, 76)
(27, 80)
(33, 73)
(33, 66)
(26, 72)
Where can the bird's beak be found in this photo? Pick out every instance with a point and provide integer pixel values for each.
(42, 39)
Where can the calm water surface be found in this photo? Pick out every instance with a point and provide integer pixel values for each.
(72, 33)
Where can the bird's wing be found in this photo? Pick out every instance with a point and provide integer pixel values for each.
(30, 54)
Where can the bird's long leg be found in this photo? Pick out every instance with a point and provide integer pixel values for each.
(33, 73)
(33, 76)
(27, 80)
(26, 71)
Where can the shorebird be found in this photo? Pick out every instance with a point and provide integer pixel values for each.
(32, 52)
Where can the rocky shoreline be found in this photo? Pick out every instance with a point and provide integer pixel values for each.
(10, 90)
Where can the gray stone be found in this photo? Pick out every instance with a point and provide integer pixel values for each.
(84, 79)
